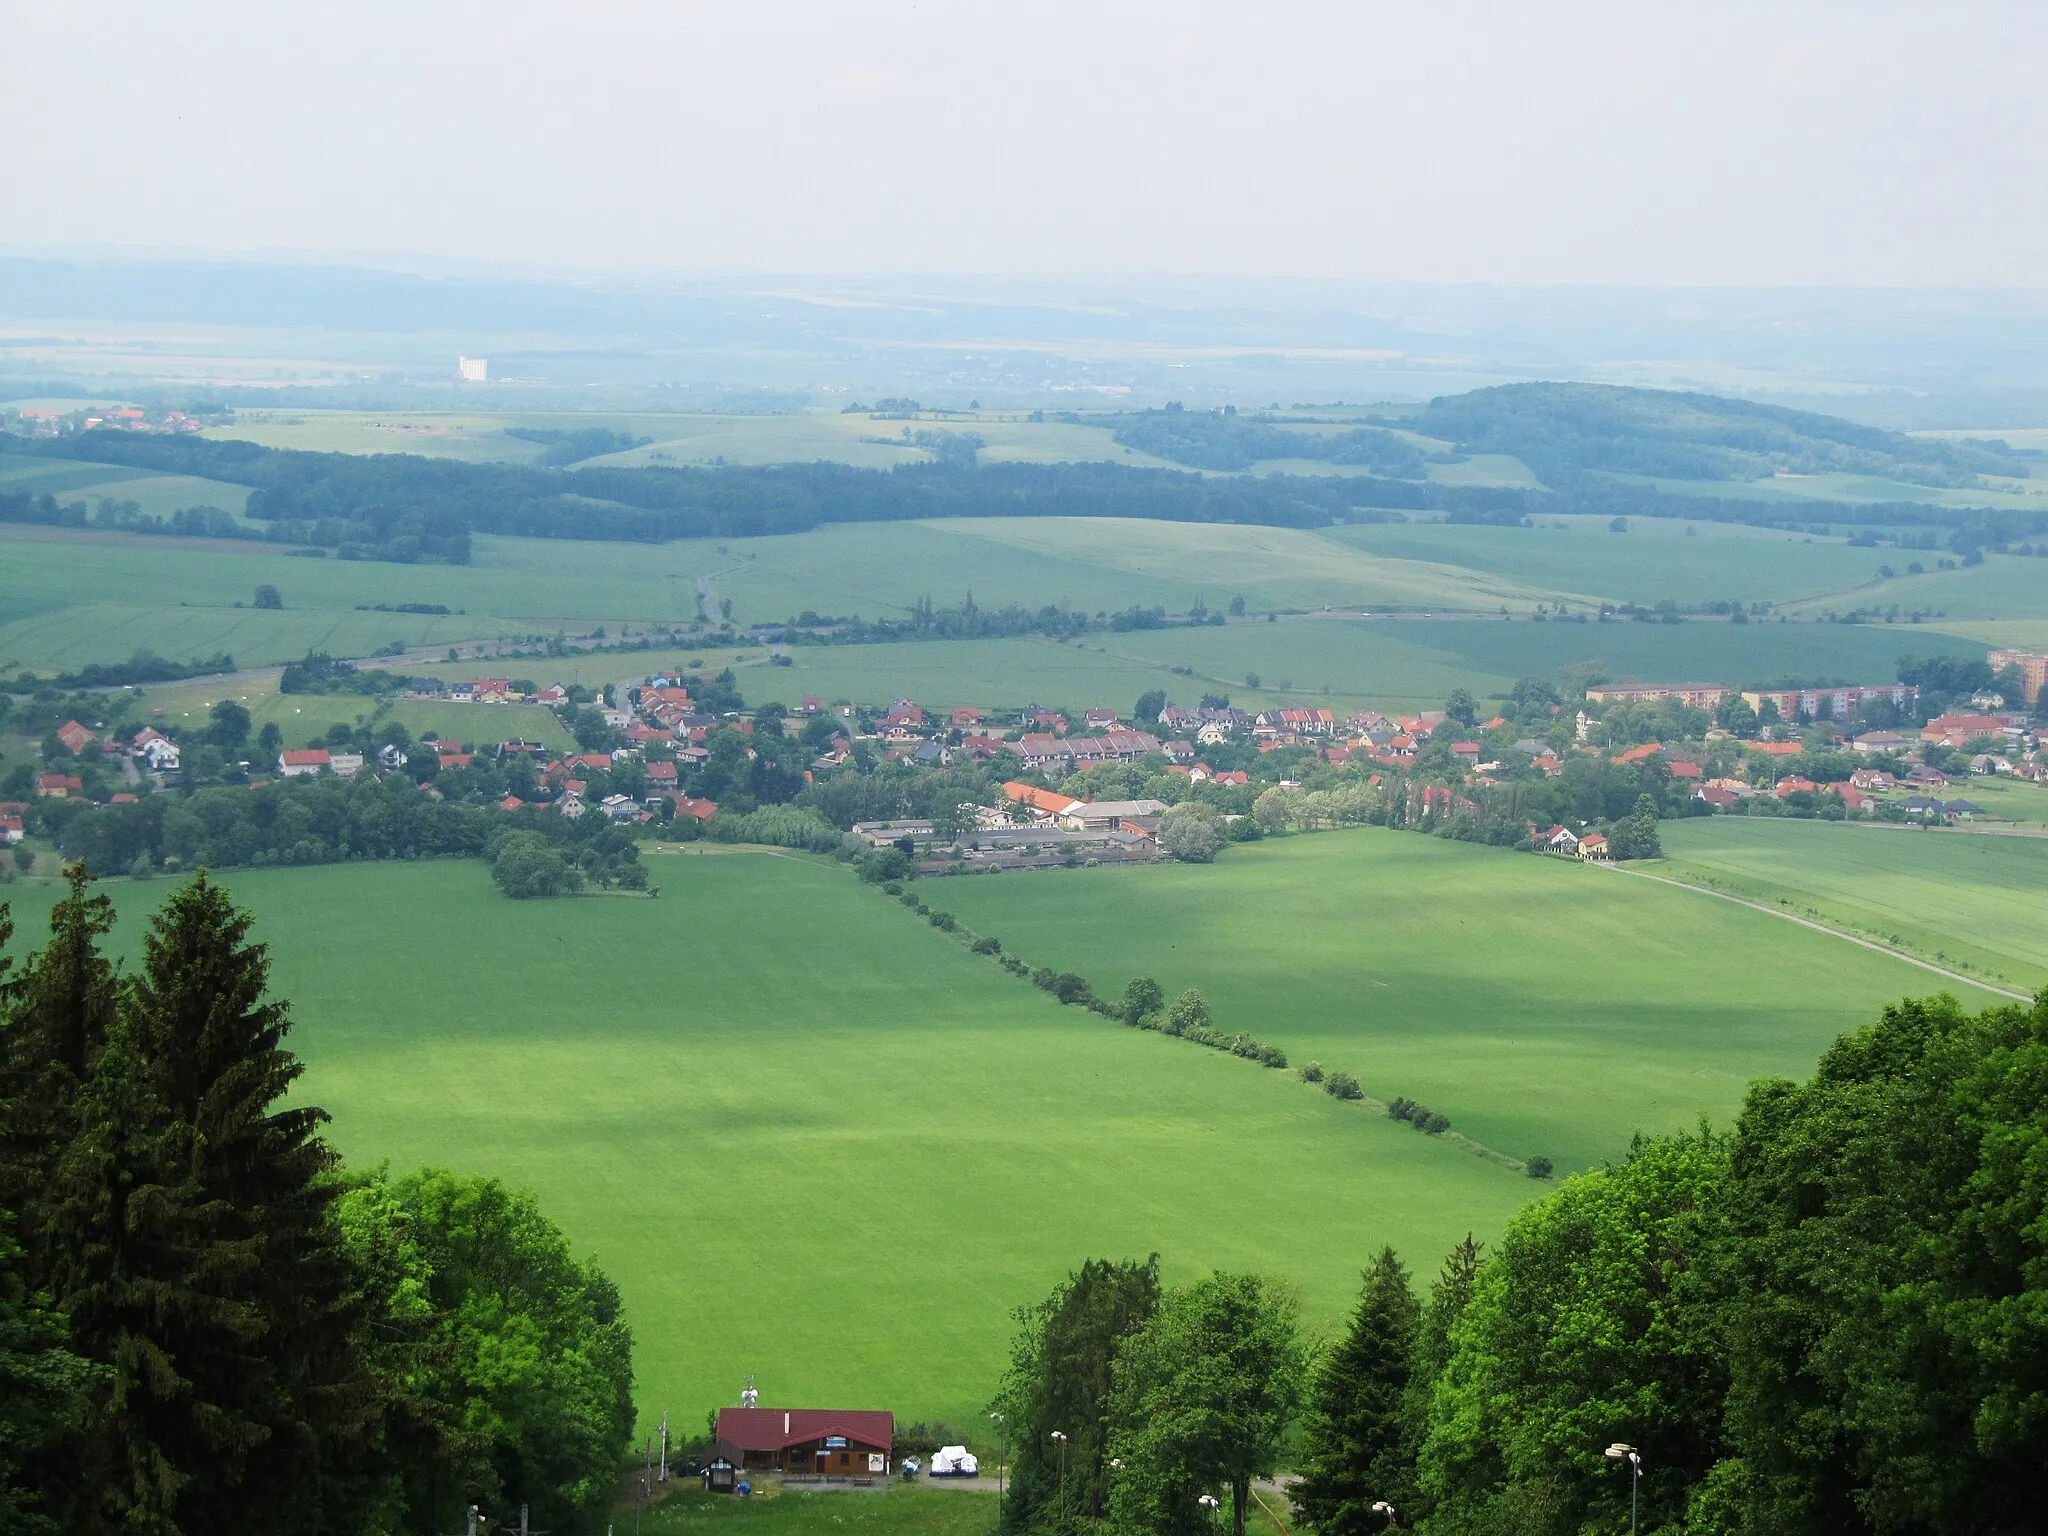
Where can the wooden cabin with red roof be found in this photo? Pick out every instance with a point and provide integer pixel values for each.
(808, 1442)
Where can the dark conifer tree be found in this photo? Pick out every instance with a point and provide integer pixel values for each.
(1357, 1450)
(197, 1257)
(54, 1018)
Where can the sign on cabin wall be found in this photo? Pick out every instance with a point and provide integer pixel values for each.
(835, 1442)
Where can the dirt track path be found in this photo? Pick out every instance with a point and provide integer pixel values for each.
(1806, 922)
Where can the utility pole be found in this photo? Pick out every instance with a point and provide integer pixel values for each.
(664, 1446)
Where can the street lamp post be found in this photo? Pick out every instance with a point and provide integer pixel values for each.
(1115, 1465)
(1384, 1508)
(1002, 1454)
(1618, 1452)
(1211, 1503)
(1060, 1435)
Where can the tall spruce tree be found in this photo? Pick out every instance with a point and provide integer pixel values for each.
(54, 1019)
(1357, 1449)
(195, 1254)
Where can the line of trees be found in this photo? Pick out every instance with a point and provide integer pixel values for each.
(207, 1326)
(1831, 1320)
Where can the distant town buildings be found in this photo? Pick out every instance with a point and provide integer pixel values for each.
(473, 370)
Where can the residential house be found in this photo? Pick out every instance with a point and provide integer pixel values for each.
(1923, 777)
(696, 810)
(302, 762)
(1038, 749)
(456, 759)
(1792, 784)
(981, 745)
(1872, 780)
(1852, 797)
(1920, 805)
(661, 780)
(1682, 769)
(493, 690)
(11, 831)
(345, 765)
(1594, 850)
(811, 705)
(1466, 752)
(1179, 751)
(161, 755)
(1964, 808)
(620, 807)
(1720, 799)
(511, 803)
(76, 738)
(1882, 741)
(1560, 839)
(1233, 778)
(1213, 733)
(554, 696)
(1955, 729)
(931, 754)
(1101, 719)
(1548, 764)
(966, 718)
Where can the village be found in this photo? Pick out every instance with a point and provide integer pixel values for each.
(1091, 786)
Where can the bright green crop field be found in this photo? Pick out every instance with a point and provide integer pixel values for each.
(1967, 901)
(1654, 560)
(817, 1140)
(811, 1137)
(1544, 1006)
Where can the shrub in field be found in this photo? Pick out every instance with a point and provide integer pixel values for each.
(1312, 1073)
(1539, 1167)
(1142, 996)
(943, 921)
(1342, 1085)
(1069, 988)
(1190, 1011)
(987, 946)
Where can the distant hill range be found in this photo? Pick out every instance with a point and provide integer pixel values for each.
(1562, 431)
(1577, 438)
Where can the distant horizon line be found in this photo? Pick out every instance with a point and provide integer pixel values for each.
(443, 267)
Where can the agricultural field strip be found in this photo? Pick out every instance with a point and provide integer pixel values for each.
(1964, 900)
(1820, 927)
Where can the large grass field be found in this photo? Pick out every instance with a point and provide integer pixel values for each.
(1545, 1006)
(74, 480)
(816, 1140)
(811, 1137)
(1689, 563)
(1968, 902)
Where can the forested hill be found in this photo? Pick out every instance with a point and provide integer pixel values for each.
(1562, 431)
(408, 508)
(403, 507)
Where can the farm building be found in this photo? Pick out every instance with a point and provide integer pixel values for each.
(808, 1442)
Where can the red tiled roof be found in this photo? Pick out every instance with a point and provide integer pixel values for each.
(771, 1429)
(308, 757)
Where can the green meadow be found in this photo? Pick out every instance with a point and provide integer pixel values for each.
(1544, 1006)
(816, 1140)
(74, 480)
(811, 1137)
(1655, 560)
(1969, 902)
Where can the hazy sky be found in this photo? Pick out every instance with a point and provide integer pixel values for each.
(1654, 141)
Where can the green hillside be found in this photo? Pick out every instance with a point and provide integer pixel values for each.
(1562, 430)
